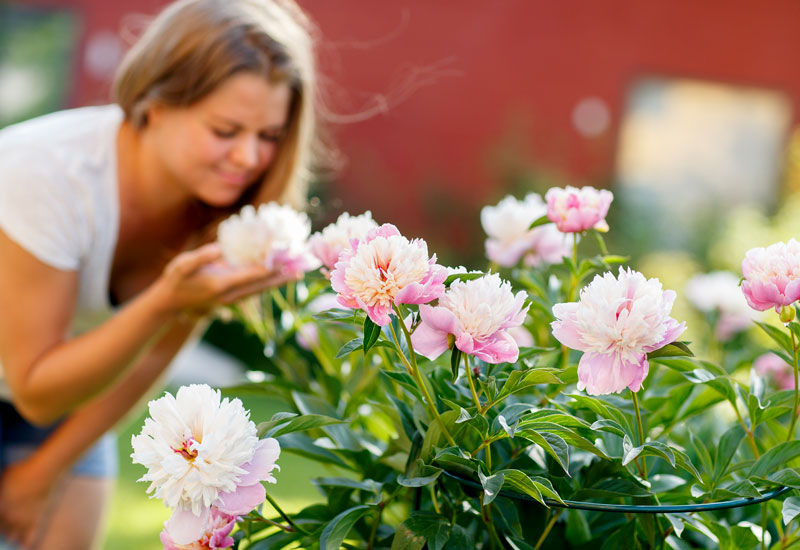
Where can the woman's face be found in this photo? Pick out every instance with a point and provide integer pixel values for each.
(218, 147)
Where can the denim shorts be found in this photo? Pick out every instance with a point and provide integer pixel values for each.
(19, 438)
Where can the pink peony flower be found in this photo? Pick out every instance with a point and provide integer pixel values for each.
(510, 238)
(478, 314)
(575, 210)
(386, 269)
(327, 244)
(215, 533)
(275, 235)
(772, 275)
(616, 322)
(719, 292)
(773, 367)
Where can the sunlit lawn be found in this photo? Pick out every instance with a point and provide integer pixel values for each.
(135, 520)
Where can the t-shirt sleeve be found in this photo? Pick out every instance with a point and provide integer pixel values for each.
(39, 207)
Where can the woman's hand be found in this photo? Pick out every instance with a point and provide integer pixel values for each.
(197, 281)
(24, 498)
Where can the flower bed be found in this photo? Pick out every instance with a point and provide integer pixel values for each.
(523, 407)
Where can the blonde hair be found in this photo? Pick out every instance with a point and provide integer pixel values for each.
(193, 46)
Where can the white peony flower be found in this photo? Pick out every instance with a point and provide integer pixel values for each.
(198, 447)
(274, 234)
(510, 238)
(327, 244)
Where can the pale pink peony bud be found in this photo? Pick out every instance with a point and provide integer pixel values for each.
(772, 275)
(575, 210)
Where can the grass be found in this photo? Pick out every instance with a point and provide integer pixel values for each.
(135, 520)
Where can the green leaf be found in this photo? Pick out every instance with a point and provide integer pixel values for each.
(510, 430)
(743, 488)
(350, 347)
(433, 527)
(663, 483)
(776, 457)
(652, 448)
(540, 221)
(721, 384)
(305, 422)
(533, 486)
(455, 362)
(553, 445)
(578, 531)
(728, 444)
(702, 452)
(406, 539)
(369, 485)
(613, 488)
(787, 477)
(790, 509)
(491, 486)
(520, 380)
(336, 314)
(371, 333)
(425, 474)
(335, 532)
(405, 380)
(677, 523)
(609, 426)
(277, 418)
(471, 276)
(675, 349)
(778, 336)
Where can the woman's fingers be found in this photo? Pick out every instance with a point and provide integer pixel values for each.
(189, 262)
(256, 285)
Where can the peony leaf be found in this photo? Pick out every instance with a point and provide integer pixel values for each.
(369, 485)
(277, 418)
(552, 444)
(778, 336)
(305, 422)
(605, 425)
(726, 449)
(471, 276)
(349, 347)
(371, 333)
(544, 220)
(433, 527)
(743, 488)
(425, 474)
(774, 458)
(675, 349)
(791, 509)
(491, 485)
(406, 539)
(455, 361)
(519, 380)
(335, 532)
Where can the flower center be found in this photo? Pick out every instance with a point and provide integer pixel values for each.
(188, 448)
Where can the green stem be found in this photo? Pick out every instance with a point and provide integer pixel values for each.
(750, 438)
(640, 430)
(286, 518)
(374, 529)
(414, 370)
(575, 250)
(547, 529)
(790, 435)
(472, 383)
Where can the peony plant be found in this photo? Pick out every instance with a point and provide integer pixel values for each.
(545, 402)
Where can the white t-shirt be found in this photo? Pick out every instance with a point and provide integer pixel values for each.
(59, 200)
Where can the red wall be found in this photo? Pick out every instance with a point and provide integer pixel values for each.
(507, 76)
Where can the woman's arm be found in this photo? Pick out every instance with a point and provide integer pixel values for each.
(50, 375)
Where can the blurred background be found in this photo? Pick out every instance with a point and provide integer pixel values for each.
(686, 110)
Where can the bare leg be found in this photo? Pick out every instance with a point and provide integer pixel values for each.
(77, 519)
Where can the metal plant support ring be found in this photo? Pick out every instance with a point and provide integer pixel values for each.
(635, 508)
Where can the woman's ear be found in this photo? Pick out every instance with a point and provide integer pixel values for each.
(153, 113)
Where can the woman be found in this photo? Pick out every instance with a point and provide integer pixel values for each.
(105, 218)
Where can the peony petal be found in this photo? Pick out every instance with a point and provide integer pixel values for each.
(262, 463)
(430, 337)
(240, 501)
(183, 527)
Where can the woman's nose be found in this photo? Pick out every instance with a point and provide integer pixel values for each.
(245, 152)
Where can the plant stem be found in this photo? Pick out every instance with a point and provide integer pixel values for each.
(750, 438)
(640, 430)
(374, 529)
(575, 249)
(268, 521)
(472, 383)
(790, 435)
(547, 529)
(414, 370)
(286, 518)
